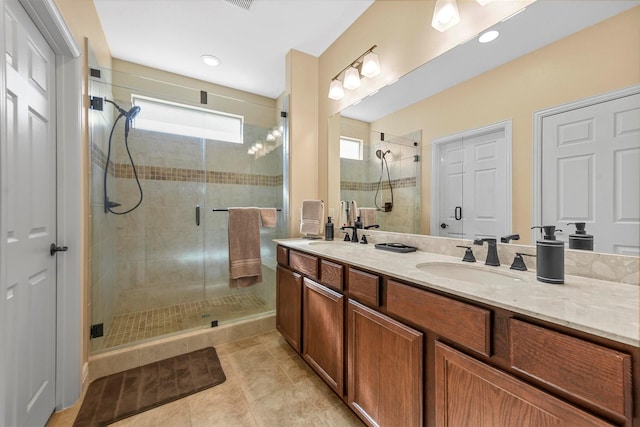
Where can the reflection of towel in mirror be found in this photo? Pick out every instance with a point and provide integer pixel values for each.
(368, 216)
(312, 215)
(343, 215)
(353, 213)
(268, 217)
(245, 263)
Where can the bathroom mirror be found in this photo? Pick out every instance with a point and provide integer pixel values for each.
(475, 85)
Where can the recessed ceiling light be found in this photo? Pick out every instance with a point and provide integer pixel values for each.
(210, 60)
(489, 36)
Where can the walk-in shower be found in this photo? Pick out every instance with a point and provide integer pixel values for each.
(163, 267)
(384, 177)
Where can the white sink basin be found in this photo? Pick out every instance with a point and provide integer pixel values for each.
(472, 273)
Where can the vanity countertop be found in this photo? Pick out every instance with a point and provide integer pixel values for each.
(606, 309)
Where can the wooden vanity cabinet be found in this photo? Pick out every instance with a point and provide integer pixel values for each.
(289, 306)
(469, 392)
(418, 357)
(385, 380)
(323, 331)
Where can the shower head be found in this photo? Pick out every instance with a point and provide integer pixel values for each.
(132, 113)
(129, 115)
(381, 155)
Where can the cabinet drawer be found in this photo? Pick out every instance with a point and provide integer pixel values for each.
(331, 275)
(596, 374)
(282, 254)
(463, 323)
(303, 263)
(364, 287)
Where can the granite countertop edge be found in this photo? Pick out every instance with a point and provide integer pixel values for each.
(606, 309)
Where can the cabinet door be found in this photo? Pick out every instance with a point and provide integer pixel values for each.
(385, 359)
(289, 306)
(470, 393)
(323, 326)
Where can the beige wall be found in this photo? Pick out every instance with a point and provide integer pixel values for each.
(598, 59)
(402, 31)
(302, 86)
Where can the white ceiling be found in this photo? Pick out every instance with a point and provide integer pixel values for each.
(171, 35)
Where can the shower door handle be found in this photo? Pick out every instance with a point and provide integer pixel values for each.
(458, 213)
(198, 215)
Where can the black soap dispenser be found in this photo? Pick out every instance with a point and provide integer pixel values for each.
(580, 240)
(550, 256)
(328, 230)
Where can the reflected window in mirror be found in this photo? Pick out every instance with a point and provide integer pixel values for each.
(350, 148)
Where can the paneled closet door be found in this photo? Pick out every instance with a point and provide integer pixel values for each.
(590, 173)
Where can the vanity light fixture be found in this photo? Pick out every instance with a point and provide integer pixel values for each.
(367, 65)
(488, 36)
(212, 61)
(445, 15)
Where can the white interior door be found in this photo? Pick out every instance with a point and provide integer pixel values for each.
(474, 184)
(590, 173)
(30, 162)
(451, 181)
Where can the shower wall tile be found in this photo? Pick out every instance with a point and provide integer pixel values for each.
(131, 274)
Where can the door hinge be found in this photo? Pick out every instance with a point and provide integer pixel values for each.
(97, 330)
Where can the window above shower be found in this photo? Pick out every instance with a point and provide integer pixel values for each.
(351, 148)
(180, 119)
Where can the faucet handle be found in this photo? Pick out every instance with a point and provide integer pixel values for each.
(364, 240)
(346, 237)
(518, 262)
(468, 254)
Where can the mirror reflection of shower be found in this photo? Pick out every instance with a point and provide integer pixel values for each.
(384, 206)
(129, 116)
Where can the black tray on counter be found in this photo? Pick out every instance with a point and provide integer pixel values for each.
(395, 247)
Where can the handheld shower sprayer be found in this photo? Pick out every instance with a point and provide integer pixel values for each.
(129, 116)
(381, 155)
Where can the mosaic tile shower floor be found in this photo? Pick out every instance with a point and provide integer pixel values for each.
(132, 327)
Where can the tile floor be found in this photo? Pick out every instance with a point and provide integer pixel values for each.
(267, 384)
(132, 327)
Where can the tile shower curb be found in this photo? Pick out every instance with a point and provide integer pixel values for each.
(114, 361)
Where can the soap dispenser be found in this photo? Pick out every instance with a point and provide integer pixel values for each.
(550, 256)
(328, 230)
(580, 240)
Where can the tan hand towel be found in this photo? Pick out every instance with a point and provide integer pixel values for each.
(245, 263)
(312, 215)
(268, 217)
(368, 216)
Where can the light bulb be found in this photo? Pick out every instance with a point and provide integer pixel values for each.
(351, 79)
(210, 60)
(336, 91)
(370, 65)
(445, 15)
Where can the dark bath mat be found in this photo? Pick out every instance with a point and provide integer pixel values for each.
(128, 393)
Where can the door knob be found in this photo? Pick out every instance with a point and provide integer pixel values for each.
(443, 225)
(53, 249)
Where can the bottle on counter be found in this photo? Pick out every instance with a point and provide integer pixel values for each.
(328, 230)
(580, 240)
(550, 256)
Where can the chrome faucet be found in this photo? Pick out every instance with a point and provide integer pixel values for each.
(492, 251)
(354, 235)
